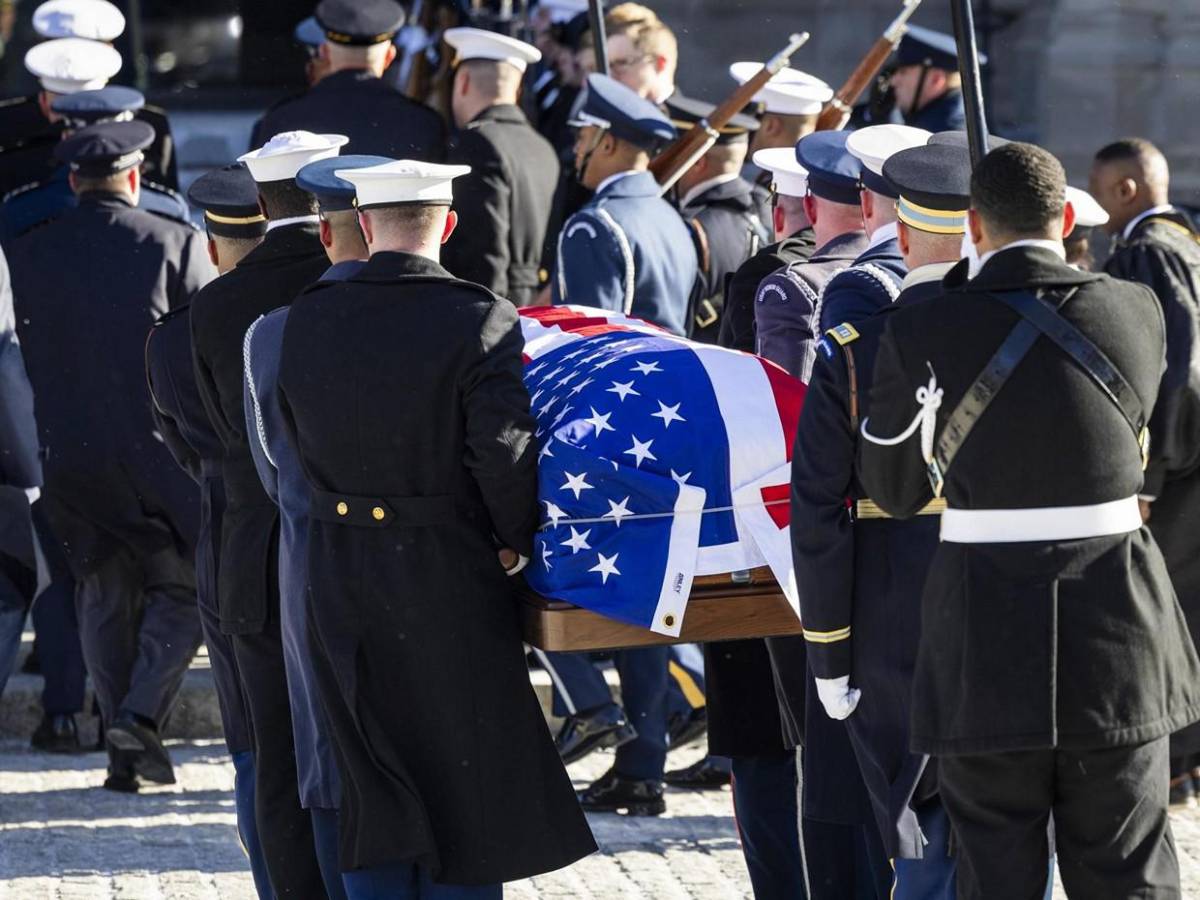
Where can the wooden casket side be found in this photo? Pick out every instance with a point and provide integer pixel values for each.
(721, 608)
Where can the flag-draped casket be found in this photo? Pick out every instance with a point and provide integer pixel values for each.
(661, 461)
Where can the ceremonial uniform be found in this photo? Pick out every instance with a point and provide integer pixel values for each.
(443, 751)
(926, 49)
(1077, 724)
(946, 113)
(506, 199)
(27, 142)
(869, 284)
(1162, 251)
(737, 325)
(123, 512)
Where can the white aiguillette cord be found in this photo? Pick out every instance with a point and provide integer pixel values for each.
(929, 397)
(608, 520)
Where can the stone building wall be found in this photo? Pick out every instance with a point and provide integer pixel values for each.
(1069, 74)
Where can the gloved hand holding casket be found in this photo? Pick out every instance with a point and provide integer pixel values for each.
(661, 460)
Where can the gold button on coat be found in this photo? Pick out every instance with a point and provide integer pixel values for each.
(378, 513)
(343, 508)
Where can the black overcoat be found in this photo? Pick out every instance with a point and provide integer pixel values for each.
(1032, 645)
(288, 260)
(737, 325)
(504, 204)
(86, 287)
(402, 389)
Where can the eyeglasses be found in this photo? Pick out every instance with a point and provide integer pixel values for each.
(623, 63)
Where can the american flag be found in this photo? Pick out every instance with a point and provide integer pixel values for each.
(660, 459)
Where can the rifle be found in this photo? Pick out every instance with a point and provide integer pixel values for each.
(968, 68)
(837, 111)
(669, 165)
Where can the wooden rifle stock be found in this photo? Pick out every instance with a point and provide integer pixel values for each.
(837, 111)
(695, 142)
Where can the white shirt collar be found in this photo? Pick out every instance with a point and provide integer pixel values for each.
(611, 179)
(1054, 247)
(882, 233)
(928, 272)
(708, 185)
(1152, 211)
(293, 220)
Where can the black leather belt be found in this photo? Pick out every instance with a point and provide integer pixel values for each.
(381, 512)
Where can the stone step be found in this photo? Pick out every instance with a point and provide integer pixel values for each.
(196, 716)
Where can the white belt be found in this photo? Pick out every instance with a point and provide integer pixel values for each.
(1054, 523)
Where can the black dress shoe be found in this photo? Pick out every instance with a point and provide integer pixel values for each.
(143, 747)
(704, 775)
(121, 777)
(604, 726)
(612, 793)
(683, 729)
(56, 734)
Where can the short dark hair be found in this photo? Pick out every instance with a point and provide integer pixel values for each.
(1129, 149)
(1019, 189)
(284, 200)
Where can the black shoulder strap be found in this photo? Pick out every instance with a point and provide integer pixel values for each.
(1037, 318)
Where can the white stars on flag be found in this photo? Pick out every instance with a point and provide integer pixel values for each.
(646, 367)
(546, 554)
(579, 387)
(546, 451)
(578, 541)
(599, 422)
(606, 566)
(623, 389)
(680, 479)
(562, 414)
(618, 511)
(640, 451)
(577, 484)
(554, 512)
(668, 414)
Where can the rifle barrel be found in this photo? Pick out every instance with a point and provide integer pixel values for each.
(972, 85)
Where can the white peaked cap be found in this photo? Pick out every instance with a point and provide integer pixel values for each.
(1088, 213)
(96, 20)
(402, 181)
(790, 92)
(475, 43)
(70, 65)
(789, 176)
(563, 10)
(280, 158)
(873, 145)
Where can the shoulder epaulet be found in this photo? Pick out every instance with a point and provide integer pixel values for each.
(23, 189)
(844, 333)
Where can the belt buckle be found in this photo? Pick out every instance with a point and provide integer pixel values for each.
(936, 481)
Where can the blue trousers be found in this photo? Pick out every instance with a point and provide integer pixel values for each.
(243, 800)
(765, 803)
(845, 862)
(12, 621)
(325, 839)
(59, 649)
(406, 881)
(643, 672)
(931, 878)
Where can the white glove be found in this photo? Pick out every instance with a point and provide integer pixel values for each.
(838, 698)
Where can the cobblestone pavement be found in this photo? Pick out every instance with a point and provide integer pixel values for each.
(64, 838)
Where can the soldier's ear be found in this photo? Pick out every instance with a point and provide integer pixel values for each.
(903, 238)
(1127, 189)
(364, 224)
(451, 224)
(974, 227)
(213, 256)
(1068, 219)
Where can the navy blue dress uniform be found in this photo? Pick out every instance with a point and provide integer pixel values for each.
(873, 281)
(724, 217)
(34, 204)
(448, 771)
(229, 200)
(1041, 550)
(860, 572)
(377, 118)
(931, 49)
(289, 259)
(1162, 250)
(786, 303)
(627, 249)
(121, 509)
(509, 193)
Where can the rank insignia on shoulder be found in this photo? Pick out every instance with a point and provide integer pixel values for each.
(844, 333)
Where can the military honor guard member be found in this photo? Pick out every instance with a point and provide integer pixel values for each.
(1089, 215)
(1021, 396)
(627, 249)
(284, 481)
(508, 194)
(860, 572)
(786, 303)
(34, 204)
(794, 241)
(926, 83)
(451, 784)
(228, 198)
(720, 208)
(352, 98)
(1156, 244)
(118, 505)
(29, 129)
(289, 258)
(873, 281)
